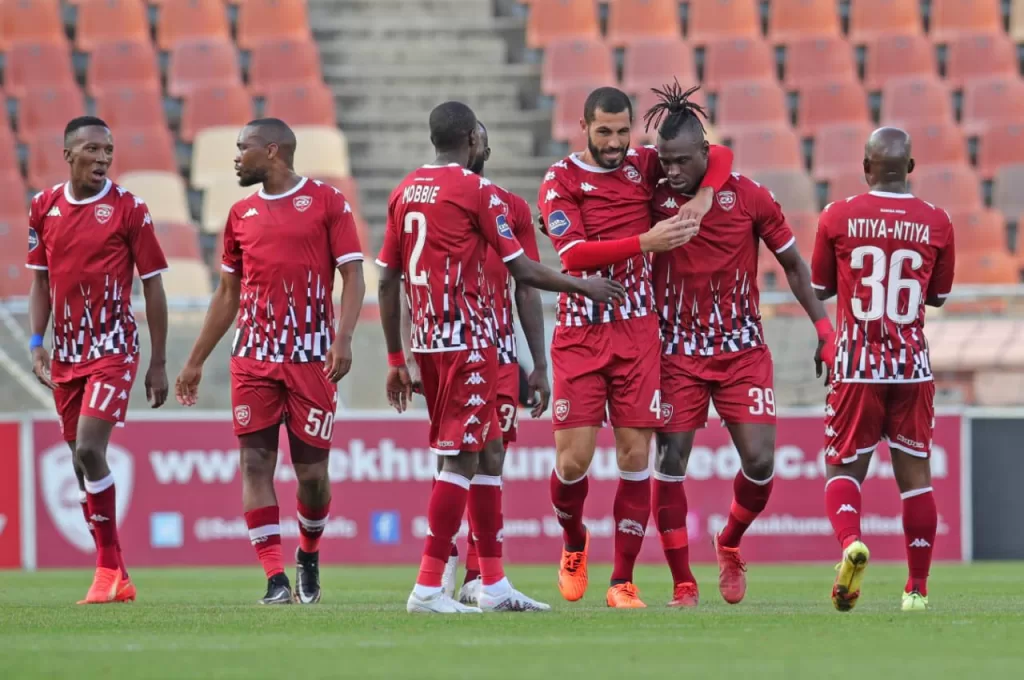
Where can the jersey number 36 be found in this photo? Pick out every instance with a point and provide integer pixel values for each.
(884, 279)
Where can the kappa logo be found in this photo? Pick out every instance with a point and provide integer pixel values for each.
(251, 212)
(475, 400)
(726, 199)
(846, 507)
(829, 410)
(472, 420)
(242, 415)
(587, 187)
(631, 526)
(33, 239)
(54, 212)
(104, 212)
(670, 203)
(920, 543)
(550, 176)
(561, 514)
(475, 379)
(830, 431)
(302, 203)
(632, 174)
(666, 412)
(562, 409)
(550, 196)
(468, 438)
(484, 182)
(348, 208)
(474, 357)
(496, 202)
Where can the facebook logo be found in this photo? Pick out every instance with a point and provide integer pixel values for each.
(166, 530)
(384, 527)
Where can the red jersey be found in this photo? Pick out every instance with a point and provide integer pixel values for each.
(91, 249)
(285, 248)
(884, 254)
(499, 281)
(441, 219)
(581, 202)
(706, 291)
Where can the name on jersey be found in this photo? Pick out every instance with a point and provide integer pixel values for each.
(420, 193)
(898, 229)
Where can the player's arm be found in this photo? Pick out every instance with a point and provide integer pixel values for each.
(715, 177)
(151, 263)
(347, 253)
(941, 283)
(823, 261)
(531, 316)
(398, 383)
(38, 295)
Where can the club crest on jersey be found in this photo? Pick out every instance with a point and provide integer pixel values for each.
(562, 409)
(302, 203)
(558, 223)
(666, 413)
(632, 174)
(242, 414)
(503, 229)
(104, 212)
(726, 199)
(33, 239)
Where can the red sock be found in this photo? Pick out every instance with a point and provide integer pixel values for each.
(669, 505)
(472, 558)
(485, 521)
(842, 504)
(312, 522)
(631, 510)
(568, 499)
(749, 499)
(455, 547)
(265, 534)
(83, 500)
(444, 515)
(101, 500)
(920, 520)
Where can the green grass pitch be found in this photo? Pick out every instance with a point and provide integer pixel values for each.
(203, 623)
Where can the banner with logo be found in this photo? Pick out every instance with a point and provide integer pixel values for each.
(179, 495)
(10, 497)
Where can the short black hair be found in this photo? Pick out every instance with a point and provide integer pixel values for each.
(76, 124)
(675, 112)
(609, 100)
(451, 124)
(274, 130)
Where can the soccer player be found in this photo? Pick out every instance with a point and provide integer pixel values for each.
(85, 239)
(885, 254)
(714, 347)
(596, 210)
(281, 248)
(441, 219)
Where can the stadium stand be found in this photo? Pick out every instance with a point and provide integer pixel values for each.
(818, 58)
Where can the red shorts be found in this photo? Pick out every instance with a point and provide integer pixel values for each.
(740, 384)
(859, 415)
(99, 389)
(507, 408)
(264, 394)
(608, 368)
(460, 388)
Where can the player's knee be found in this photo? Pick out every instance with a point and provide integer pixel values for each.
(492, 458)
(258, 463)
(464, 463)
(87, 457)
(312, 474)
(760, 464)
(672, 453)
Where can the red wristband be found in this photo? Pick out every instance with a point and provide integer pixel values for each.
(396, 359)
(824, 328)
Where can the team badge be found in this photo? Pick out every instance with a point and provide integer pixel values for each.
(666, 413)
(504, 230)
(726, 200)
(562, 409)
(242, 415)
(104, 212)
(33, 239)
(302, 203)
(632, 174)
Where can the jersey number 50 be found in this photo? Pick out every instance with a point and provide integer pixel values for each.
(885, 290)
(416, 221)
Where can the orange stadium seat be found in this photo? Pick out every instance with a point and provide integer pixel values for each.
(737, 59)
(848, 183)
(283, 62)
(1008, 192)
(311, 104)
(149, 148)
(970, 57)
(709, 21)
(46, 165)
(1001, 144)
(750, 104)
(565, 119)
(800, 19)
(953, 18)
(37, 65)
(898, 56)
(951, 187)
(937, 143)
(48, 108)
(575, 63)
(918, 99)
(102, 21)
(979, 231)
(804, 224)
(871, 18)
(630, 20)
(15, 277)
(991, 100)
(986, 268)
(12, 200)
(178, 240)
(129, 107)
(768, 148)
(1017, 20)
(350, 189)
(189, 19)
(198, 63)
(839, 147)
(124, 63)
(214, 106)
(653, 63)
(792, 188)
(556, 20)
(828, 103)
(35, 21)
(262, 21)
(644, 102)
(823, 58)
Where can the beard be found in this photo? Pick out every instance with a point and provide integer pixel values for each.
(599, 159)
(248, 179)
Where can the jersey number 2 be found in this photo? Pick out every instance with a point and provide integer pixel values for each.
(885, 299)
(416, 221)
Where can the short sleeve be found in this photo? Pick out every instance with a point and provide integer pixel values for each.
(823, 261)
(941, 283)
(522, 226)
(719, 167)
(390, 255)
(36, 251)
(342, 232)
(769, 221)
(563, 220)
(231, 259)
(646, 159)
(146, 251)
(493, 216)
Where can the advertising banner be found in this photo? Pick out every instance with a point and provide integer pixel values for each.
(179, 495)
(10, 498)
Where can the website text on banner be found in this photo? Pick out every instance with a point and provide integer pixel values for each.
(179, 496)
(10, 499)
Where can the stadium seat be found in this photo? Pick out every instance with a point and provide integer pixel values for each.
(750, 104)
(321, 150)
(817, 59)
(633, 20)
(129, 107)
(575, 63)
(557, 20)
(991, 100)
(1000, 144)
(262, 21)
(937, 143)
(46, 164)
(186, 277)
(1017, 20)
(311, 104)
(653, 63)
(838, 148)
(804, 224)
(48, 108)
(847, 183)
(150, 148)
(214, 106)
(103, 21)
(709, 21)
(219, 195)
(644, 102)
(179, 240)
(15, 277)
(917, 99)
(213, 153)
(283, 62)
(119, 64)
(898, 56)
(31, 21)
(37, 65)
(1008, 192)
(792, 188)
(952, 187)
(872, 18)
(791, 20)
(737, 59)
(970, 57)
(769, 148)
(202, 62)
(979, 231)
(348, 187)
(164, 192)
(953, 18)
(565, 119)
(828, 103)
(182, 20)
(986, 268)
(12, 199)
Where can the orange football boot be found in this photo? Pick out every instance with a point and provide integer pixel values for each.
(732, 578)
(126, 592)
(572, 572)
(685, 595)
(624, 596)
(106, 584)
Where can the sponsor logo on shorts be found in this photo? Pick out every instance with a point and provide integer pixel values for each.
(504, 230)
(446, 444)
(302, 203)
(33, 239)
(632, 174)
(103, 213)
(726, 200)
(631, 526)
(558, 223)
(909, 442)
(562, 409)
(666, 412)
(242, 414)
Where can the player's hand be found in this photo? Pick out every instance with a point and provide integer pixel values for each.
(540, 389)
(339, 359)
(668, 234)
(186, 387)
(414, 374)
(156, 385)
(399, 388)
(825, 358)
(698, 206)
(600, 289)
(41, 367)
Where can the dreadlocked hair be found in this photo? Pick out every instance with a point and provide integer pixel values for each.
(675, 111)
